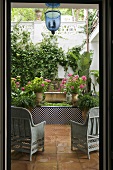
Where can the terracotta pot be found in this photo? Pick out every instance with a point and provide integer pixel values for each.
(74, 99)
(55, 97)
(84, 112)
(39, 97)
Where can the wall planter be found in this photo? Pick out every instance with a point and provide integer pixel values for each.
(55, 97)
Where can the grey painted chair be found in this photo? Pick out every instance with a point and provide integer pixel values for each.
(85, 136)
(25, 135)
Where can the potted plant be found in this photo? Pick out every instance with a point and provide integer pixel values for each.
(86, 102)
(20, 96)
(74, 85)
(39, 86)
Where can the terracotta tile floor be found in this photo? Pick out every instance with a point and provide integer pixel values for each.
(57, 154)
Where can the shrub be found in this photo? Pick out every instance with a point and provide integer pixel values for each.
(20, 96)
(88, 101)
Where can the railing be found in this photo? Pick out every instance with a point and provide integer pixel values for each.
(66, 27)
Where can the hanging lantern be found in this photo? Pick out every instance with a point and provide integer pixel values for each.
(53, 18)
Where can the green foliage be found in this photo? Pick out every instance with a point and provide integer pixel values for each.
(38, 85)
(88, 101)
(21, 96)
(65, 11)
(24, 14)
(84, 63)
(91, 16)
(81, 14)
(80, 63)
(50, 55)
(96, 74)
(55, 104)
(73, 56)
(30, 60)
(24, 55)
(28, 14)
(24, 99)
(83, 67)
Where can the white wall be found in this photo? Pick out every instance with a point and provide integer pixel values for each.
(95, 62)
(94, 45)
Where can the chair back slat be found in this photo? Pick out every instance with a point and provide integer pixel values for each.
(93, 122)
(20, 122)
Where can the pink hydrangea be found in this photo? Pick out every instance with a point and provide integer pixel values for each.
(47, 80)
(69, 74)
(29, 82)
(76, 77)
(81, 86)
(84, 78)
(42, 84)
(72, 87)
(23, 88)
(63, 81)
(17, 83)
(61, 85)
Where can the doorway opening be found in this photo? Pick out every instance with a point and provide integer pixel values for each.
(94, 44)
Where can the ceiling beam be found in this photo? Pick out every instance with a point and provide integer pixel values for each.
(64, 5)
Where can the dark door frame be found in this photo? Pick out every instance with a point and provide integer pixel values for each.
(106, 82)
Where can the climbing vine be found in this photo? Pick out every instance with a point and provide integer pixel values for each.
(50, 55)
(29, 60)
(23, 55)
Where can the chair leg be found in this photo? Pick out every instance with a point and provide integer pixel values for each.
(88, 156)
(43, 149)
(30, 157)
(71, 146)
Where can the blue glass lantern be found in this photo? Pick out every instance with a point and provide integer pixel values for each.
(53, 20)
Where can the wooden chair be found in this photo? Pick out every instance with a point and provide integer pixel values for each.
(25, 135)
(85, 136)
